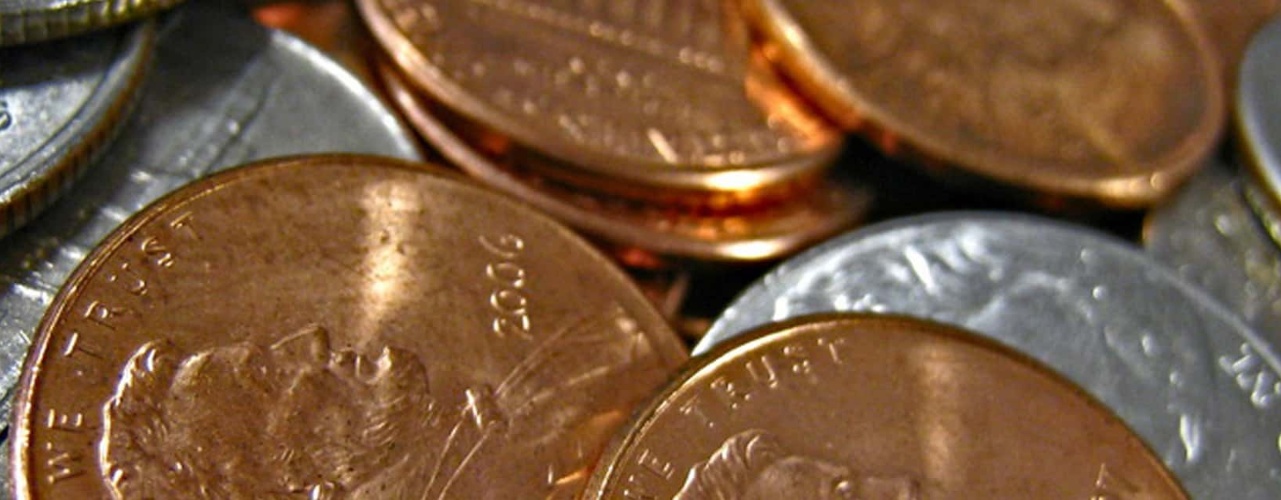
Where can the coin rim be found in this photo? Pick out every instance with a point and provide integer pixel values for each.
(24, 22)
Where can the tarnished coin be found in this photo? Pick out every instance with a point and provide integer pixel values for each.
(883, 407)
(660, 93)
(1258, 115)
(1209, 235)
(758, 234)
(59, 103)
(1188, 376)
(1105, 101)
(28, 21)
(223, 91)
(335, 327)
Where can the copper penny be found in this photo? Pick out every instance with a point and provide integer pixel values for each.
(334, 327)
(1112, 102)
(1230, 26)
(657, 92)
(750, 235)
(875, 407)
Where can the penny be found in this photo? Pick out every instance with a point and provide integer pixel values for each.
(660, 93)
(1210, 237)
(335, 327)
(222, 91)
(1258, 108)
(1105, 102)
(30, 21)
(1230, 26)
(864, 406)
(1189, 377)
(749, 235)
(59, 103)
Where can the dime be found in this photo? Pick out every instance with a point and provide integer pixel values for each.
(1110, 102)
(660, 93)
(335, 327)
(28, 21)
(748, 235)
(1189, 377)
(1209, 235)
(862, 406)
(1258, 116)
(223, 91)
(59, 103)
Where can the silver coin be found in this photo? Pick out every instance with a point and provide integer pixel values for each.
(28, 21)
(224, 91)
(1210, 237)
(1189, 377)
(1259, 120)
(58, 103)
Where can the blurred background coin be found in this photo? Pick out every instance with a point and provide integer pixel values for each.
(865, 406)
(1230, 26)
(31, 21)
(1259, 119)
(1190, 377)
(59, 103)
(336, 326)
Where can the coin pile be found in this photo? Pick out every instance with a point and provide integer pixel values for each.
(232, 274)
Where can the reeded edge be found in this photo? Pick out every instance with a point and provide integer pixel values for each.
(458, 151)
(1262, 158)
(822, 83)
(22, 417)
(21, 24)
(78, 143)
(428, 78)
(643, 418)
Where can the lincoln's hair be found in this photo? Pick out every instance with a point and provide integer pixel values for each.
(732, 468)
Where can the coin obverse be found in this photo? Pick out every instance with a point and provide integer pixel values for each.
(59, 103)
(335, 327)
(863, 406)
(1189, 377)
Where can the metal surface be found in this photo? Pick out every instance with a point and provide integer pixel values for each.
(662, 93)
(1189, 377)
(1209, 235)
(223, 91)
(1258, 113)
(1230, 26)
(749, 235)
(1111, 102)
(30, 21)
(335, 327)
(876, 407)
(59, 103)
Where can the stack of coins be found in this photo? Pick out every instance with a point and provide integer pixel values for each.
(207, 314)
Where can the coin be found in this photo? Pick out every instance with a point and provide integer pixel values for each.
(1188, 376)
(660, 93)
(863, 406)
(1230, 26)
(1107, 102)
(223, 91)
(1258, 107)
(748, 235)
(1210, 237)
(335, 327)
(59, 103)
(30, 21)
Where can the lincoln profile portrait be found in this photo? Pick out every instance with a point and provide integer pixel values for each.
(297, 420)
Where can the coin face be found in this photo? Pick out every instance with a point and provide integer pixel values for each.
(1114, 102)
(1209, 236)
(876, 407)
(658, 92)
(1259, 120)
(1195, 382)
(335, 327)
(1230, 26)
(30, 21)
(747, 235)
(222, 91)
(60, 102)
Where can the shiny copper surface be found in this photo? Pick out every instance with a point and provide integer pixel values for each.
(882, 407)
(1108, 102)
(335, 327)
(755, 234)
(663, 93)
